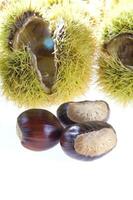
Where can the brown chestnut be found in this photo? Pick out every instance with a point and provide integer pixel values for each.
(38, 129)
(88, 141)
(82, 112)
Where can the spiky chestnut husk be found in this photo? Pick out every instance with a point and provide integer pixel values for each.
(3, 4)
(120, 2)
(115, 63)
(74, 62)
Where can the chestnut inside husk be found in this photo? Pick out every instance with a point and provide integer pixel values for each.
(31, 32)
(121, 47)
(88, 141)
(38, 129)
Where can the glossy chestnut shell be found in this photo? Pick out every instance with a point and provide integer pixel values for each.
(83, 112)
(38, 129)
(88, 141)
(62, 114)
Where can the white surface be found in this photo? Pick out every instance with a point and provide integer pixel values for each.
(49, 175)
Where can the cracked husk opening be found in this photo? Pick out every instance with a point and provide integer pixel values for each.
(35, 37)
(121, 47)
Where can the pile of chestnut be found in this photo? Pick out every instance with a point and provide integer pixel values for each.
(80, 127)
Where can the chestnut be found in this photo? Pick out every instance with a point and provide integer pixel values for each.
(82, 112)
(88, 141)
(38, 129)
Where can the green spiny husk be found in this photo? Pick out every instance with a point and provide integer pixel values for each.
(19, 80)
(113, 77)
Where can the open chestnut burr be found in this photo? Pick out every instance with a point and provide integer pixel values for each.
(38, 129)
(83, 112)
(88, 141)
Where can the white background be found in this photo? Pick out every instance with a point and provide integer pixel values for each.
(49, 175)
